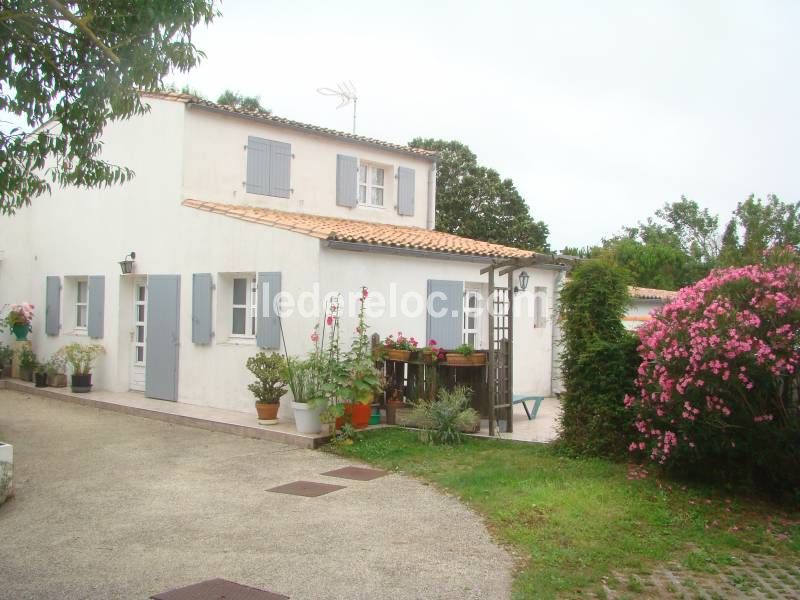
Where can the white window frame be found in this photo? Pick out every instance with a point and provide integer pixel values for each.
(366, 169)
(81, 305)
(137, 304)
(475, 312)
(250, 308)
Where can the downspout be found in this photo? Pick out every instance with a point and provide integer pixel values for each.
(430, 222)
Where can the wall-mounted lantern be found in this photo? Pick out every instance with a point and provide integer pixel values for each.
(523, 282)
(127, 264)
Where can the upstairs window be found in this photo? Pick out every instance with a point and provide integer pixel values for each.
(244, 306)
(371, 185)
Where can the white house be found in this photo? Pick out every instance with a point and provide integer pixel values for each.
(228, 209)
(643, 302)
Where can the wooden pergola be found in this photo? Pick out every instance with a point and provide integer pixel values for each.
(501, 329)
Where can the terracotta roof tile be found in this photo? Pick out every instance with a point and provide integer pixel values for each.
(651, 293)
(268, 117)
(348, 230)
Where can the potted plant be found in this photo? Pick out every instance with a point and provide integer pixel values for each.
(270, 385)
(27, 363)
(19, 320)
(56, 370)
(399, 348)
(364, 380)
(6, 355)
(308, 401)
(40, 375)
(81, 358)
(6, 471)
(465, 355)
(430, 353)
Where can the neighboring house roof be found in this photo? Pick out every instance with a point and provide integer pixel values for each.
(362, 232)
(271, 119)
(637, 318)
(651, 293)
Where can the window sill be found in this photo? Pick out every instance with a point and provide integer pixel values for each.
(238, 342)
(371, 207)
(81, 332)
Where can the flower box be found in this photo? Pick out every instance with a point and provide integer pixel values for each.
(6, 471)
(454, 359)
(398, 355)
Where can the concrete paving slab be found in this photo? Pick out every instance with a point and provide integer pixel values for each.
(110, 505)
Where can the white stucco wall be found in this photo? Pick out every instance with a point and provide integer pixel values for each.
(343, 271)
(216, 163)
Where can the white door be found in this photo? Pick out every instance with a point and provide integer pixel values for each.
(472, 327)
(139, 335)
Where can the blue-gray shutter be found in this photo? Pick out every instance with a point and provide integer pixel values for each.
(346, 180)
(257, 166)
(268, 333)
(161, 348)
(405, 191)
(52, 311)
(97, 297)
(202, 286)
(280, 167)
(446, 329)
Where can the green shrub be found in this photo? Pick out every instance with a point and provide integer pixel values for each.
(269, 370)
(442, 420)
(599, 361)
(6, 354)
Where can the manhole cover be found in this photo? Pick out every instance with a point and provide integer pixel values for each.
(312, 489)
(357, 473)
(218, 589)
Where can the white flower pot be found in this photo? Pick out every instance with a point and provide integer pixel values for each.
(6, 470)
(306, 418)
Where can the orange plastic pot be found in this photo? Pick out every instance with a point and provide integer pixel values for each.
(359, 414)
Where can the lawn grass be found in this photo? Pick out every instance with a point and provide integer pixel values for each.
(573, 521)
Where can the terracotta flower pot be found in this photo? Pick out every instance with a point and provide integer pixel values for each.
(398, 355)
(267, 413)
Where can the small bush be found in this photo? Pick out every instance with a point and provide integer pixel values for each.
(442, 420)
(269, 370)
(598, 361)
(718, 381)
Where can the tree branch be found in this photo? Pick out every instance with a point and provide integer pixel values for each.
(84, 28)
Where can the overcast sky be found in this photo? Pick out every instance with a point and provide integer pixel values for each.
(599, 111)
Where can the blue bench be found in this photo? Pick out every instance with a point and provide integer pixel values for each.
(523, 399)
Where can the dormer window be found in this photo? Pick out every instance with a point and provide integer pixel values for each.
(371, 181)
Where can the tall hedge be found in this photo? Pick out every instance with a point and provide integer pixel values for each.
(598, 359)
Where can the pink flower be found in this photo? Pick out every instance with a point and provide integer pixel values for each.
(364, 292)
(315, 337)
(329, 320)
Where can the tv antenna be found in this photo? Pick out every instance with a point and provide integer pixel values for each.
(346, 92)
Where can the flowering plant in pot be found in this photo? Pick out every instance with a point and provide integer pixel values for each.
(27, 363)
(431, 353)
(19, 319)
(6, 355)
(270, 385)
(56, 370)
(399, 348)
(81, 358)
(363, 379)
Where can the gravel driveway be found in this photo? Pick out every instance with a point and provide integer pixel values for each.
(114, 506)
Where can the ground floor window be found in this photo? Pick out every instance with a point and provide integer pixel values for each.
(81, 303)
(244, 300)
(471, 328)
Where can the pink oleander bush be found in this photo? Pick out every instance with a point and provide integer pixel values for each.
(717, 388)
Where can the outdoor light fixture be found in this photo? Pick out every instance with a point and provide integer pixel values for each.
(523, 282)
(127, 264)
